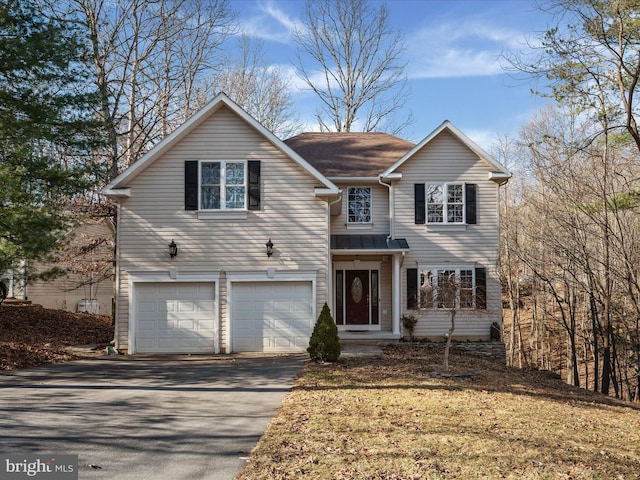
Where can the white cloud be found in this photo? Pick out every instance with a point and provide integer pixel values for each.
(269, 23)
(484, 138)
(462, 49)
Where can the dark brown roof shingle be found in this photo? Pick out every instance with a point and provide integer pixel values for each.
(349, 154)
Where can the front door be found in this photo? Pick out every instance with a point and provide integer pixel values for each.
(357, 297)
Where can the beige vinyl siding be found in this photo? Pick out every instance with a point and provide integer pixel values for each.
(445, 159)
(386, 297)
(290, 214)
(65, 292)
(379, 214)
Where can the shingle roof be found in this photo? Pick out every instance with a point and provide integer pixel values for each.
(349, 154)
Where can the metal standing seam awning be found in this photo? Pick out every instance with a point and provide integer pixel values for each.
(367, 244)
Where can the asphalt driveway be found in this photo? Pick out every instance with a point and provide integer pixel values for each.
(130, 418)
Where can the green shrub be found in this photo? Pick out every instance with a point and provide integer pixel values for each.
(324, 344)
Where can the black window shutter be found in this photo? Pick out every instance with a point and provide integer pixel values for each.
(254, 184)
(412, 288)
(420, 209)
(191, 185)
(470, 197)
(481, 287)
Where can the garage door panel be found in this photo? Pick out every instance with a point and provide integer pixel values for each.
(302, 306)
(175, 318)
(163, 289)
(282, 305)
(188, 324)
(186, 306)
(271, 316)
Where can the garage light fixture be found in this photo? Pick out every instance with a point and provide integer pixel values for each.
(173, 249)
(269, 246)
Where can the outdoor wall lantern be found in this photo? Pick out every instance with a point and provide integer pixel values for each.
(269, 246)
(173, 249)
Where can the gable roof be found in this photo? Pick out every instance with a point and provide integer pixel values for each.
(117, 187)
(342, 154)
(500, 174)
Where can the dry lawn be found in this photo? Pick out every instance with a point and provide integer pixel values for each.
(397, 417)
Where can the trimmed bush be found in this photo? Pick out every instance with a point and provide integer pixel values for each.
(324, 344)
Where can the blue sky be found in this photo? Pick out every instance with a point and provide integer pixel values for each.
(453, 60)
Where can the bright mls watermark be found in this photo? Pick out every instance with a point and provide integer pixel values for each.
(47, 467)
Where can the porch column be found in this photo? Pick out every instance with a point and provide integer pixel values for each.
(395, 290)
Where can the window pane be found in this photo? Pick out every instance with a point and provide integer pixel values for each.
(210, 198)
(455, 213)
(434, 214)
(339, 288)
(374, 288)
(357, 290)
(435, 204)
(434, 194)
(235, 197)
(211, 173)
(359, 205)
(466, 278)
(446, 291)
(235, 173)
(454, 194)
(466, 288)
(426, 289)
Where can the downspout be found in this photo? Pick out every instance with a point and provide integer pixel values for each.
(118, 280)
(329, 256)
(396, 266)
(391, 207)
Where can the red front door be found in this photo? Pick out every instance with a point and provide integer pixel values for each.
(357, 297)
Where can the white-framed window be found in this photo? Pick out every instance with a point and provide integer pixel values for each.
(359, 205)
(223, 185)
(445, 203)
(447, 287)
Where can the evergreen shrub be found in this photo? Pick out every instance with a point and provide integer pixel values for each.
(324, 344)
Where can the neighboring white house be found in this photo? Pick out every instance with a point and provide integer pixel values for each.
(268, 231)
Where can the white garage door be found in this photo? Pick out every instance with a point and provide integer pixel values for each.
(174, 317)
(271, 316)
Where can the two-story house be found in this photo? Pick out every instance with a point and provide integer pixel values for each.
(231, 240)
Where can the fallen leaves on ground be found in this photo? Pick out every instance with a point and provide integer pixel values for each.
(31, 335)
(390, 418)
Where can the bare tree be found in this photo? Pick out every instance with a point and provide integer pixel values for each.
(447, 291)
(150, 59)
(260, 88)
(357, 74)
(575, 228)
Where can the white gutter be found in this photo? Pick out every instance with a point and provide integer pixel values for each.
(352, 179)
(116, 192)
(500, 177)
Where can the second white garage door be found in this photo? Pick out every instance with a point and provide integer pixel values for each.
(271, 316)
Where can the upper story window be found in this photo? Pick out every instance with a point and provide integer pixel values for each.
(445, 203)
(359, 205)
(223, 185)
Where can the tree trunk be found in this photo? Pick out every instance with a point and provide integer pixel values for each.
(445, 363)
